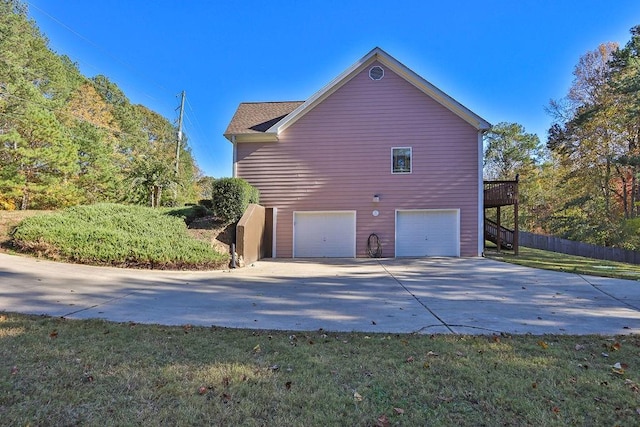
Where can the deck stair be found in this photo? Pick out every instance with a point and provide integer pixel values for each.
(498, 194)
(491, 234)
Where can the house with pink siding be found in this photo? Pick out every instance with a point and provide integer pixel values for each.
(378, 162)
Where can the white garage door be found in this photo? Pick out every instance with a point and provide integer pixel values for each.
(324, 234)
(428, 233)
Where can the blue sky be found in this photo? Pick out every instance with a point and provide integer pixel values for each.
(504, 60)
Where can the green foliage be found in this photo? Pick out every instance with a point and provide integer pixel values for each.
(187, 213)
(110, 234)
(596, 144)
(231, 196)
(631, 234)
(66, 139)
(510, 151)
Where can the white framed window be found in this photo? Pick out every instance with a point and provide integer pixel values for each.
(401, 159)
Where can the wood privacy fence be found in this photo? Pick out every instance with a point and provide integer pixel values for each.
(564, 246)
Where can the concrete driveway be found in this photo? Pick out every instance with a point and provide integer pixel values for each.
(432, 295)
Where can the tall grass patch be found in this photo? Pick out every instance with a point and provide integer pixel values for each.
(117, 235)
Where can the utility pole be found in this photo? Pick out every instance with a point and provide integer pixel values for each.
(179, 142)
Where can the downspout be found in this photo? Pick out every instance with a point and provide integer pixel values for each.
(234, 167)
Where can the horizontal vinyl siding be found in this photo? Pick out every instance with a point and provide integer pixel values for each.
(338, 156)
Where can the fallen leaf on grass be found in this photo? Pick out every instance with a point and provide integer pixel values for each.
(357, 396)
(543, 344)
(383, 421)
(617, 368)
(632, 386)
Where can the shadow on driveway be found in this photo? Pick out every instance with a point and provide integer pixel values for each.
(430, 295)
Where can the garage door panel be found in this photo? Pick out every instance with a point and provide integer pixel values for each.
(324, 234)
(427, 233)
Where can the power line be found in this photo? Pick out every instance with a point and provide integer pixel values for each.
(97, 46)
(195, 125)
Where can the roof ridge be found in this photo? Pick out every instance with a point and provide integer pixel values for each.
(270, 102)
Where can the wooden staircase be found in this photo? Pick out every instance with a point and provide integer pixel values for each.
(498, 194)
(491, 234)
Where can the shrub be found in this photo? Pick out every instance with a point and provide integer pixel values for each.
(231, 196)
(187, 213)
(207, 203)
(109, 234)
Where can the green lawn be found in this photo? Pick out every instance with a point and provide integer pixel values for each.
(95, 373)
(561, 262)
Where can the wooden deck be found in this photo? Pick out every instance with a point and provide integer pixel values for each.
(500, 193)
(496, 195)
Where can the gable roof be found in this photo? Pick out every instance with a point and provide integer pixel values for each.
(240, 128)
(252, 119)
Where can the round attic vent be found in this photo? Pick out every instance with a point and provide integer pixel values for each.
(376, 73)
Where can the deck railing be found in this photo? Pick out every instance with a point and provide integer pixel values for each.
(491, 234)
(500, 193)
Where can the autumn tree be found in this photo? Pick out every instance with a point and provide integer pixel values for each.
(67, 139)
(595, 139)
(624, 84)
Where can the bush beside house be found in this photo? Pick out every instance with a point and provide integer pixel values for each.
(231, 197)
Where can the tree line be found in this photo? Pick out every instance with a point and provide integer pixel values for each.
(66, 139)
(584, 184)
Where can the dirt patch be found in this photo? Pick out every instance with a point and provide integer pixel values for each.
(209, 229)
(8, 221)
